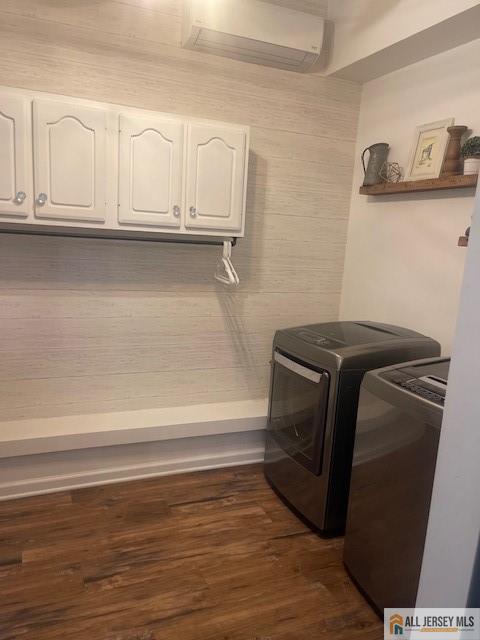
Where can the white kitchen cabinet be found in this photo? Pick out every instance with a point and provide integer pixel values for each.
(150, 171)
(70, 143)
(16, 188)
(74, 166)
(215, 177)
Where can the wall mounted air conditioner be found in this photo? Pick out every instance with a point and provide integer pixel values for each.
(253, 31)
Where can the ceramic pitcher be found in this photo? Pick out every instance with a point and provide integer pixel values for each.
(378, 155)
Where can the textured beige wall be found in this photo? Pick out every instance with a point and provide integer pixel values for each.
(97, 325)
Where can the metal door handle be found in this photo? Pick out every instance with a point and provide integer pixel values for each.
(309, 374)
(176, 211)
(41, 199)
(193, 212)
(19, 197)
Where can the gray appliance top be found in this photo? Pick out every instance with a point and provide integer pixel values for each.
(426, 379)
(416, 388)
(354, 345)
(340, 335)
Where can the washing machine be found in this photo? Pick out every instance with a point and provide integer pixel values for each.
(398, 428)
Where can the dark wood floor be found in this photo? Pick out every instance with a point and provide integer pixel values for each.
(201, 556)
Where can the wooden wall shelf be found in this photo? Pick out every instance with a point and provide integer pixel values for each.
(416, 186)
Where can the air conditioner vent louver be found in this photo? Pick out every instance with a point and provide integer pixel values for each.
(253, 31)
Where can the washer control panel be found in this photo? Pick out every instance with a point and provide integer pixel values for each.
(315, 338)
(429, 387)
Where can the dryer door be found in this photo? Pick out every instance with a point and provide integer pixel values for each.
(298, 410)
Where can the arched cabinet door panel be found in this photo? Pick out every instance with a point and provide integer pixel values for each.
(150, 171)
(216, 165)
(16, 198)
(70, 143)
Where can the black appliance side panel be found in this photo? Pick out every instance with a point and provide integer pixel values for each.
(342, 449)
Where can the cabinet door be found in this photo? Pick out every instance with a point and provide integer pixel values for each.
(150, 171)
(216, 165)
(70, 161)
(16, 198)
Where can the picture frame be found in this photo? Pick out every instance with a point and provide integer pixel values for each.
(428, 150)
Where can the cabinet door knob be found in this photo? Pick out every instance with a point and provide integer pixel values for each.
(41, 199)
(176, 211)
(193, 212)
(19, 197)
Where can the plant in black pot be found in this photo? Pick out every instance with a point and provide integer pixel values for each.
(471, 153)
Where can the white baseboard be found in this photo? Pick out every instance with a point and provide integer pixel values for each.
(28, 475)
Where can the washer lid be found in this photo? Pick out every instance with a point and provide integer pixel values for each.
(334, 335)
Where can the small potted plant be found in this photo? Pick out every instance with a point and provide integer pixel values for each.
(470, 152)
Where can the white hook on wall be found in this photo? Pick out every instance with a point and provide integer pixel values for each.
(225, 271)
